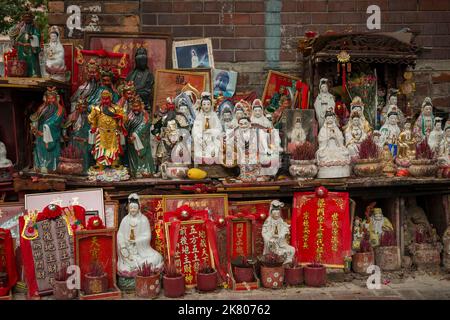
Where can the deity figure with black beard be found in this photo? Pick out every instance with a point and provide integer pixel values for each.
(89, 88)
(142, 77)
(46, 127)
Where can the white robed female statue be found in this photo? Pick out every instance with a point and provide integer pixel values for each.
(274, 233)
(133, 241)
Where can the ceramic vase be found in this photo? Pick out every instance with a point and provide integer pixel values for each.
(148, 287)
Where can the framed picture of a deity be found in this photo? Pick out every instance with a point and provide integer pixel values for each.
(277, 85)
(169, 83)
(158, 46)
(112, 214)
(89, 199)
(298, 126)
(215, 204)
(193, 54)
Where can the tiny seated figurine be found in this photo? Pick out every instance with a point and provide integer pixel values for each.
(46, 127)
(332, 156)
(55, 65)
(389, 167)
(406, 146)
(274, 232)
(378, 224)
(133, 241)
(436, 135)
(390, 132)
(324, 102)
(358, 233)
(425, 122)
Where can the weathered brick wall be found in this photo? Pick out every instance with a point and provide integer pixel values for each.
(253, 36)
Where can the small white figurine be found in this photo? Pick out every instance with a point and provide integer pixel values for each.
(258, 116)
(425, 122)
(55, 65)
(436, 135)
(324, 102)
(274, 232)
(4, 162)
(133, 241)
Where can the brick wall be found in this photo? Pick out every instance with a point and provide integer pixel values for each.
(253, 36)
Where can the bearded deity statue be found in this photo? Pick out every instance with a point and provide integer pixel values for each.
(324, 102)
(436, 135)
(128, 96)
(377, 225)
(26, 38)
(332, 156)
(46, 127)
(108, 132)
(55, 65)
(139, 150)
(106, 83)
(76, 131)
(88, 88)
(142, 77)
(390, 132)
(274, 232)
(133, 241)
(207, 133)
(425, 122)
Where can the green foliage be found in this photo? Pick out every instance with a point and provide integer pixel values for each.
(12, 10)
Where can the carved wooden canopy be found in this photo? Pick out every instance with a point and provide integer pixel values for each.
(394, 47)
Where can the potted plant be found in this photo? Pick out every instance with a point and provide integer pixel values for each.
(368, 162)
(242, 270)
(272, 271)
(60, 289)
(293, 273)
(315, 275)
(364, 258)
(148, 281)
(96, 280)
(206, 278)
(303, 161)
(173, 282)
(387, 254)
(70, 161)
(425, 164)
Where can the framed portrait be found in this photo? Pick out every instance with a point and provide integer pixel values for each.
(89, 199)
(158, 46)
(169, 83)
(9, 217)
(277, 85)
(298, 126)
(224, 82)
(193, 54)
(216, 204)
(112, 214)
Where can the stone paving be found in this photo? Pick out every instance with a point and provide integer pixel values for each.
(414, 287)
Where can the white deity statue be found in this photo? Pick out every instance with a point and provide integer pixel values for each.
(4, 162)
(444, 147)
(425, 122)
(332, 156)
(324, 102)
(391, 106)
(133, 241)
(390, 132)
(55, 66)
(436, 135)
(227, 119)
(274, 232)
(258, 116)
(207, 133)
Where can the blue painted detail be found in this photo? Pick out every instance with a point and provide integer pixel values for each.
(273, 32)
